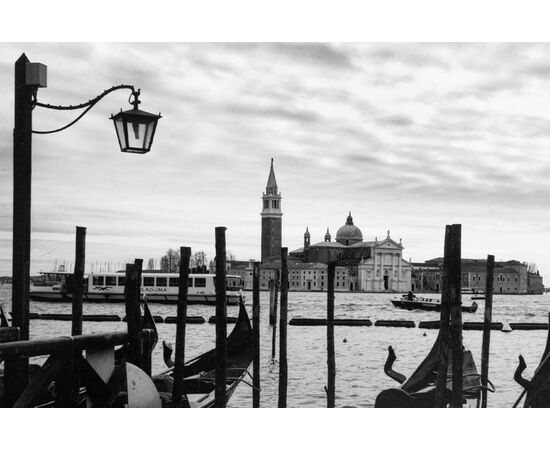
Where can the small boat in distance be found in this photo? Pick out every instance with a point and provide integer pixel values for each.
(410, 301)
(109, 287)
(473, 293)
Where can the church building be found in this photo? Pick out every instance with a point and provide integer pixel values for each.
(371, 266)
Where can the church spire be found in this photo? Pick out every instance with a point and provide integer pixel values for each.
(271, 187)
(327, 236)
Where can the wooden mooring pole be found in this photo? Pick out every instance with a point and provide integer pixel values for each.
(283, 321)
(488, 317)
(454, 285)
(221, 319)
(256, 337)
(17, 370)
(273, 288)
(331, 359)
(273, 298)
(132, 293)
(78, 284)
(450, 336)
(179, 360)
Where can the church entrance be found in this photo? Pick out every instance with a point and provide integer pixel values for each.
(309, 285)
(386, 282)
(351, 286)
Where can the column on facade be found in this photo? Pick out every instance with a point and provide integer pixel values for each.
(381, 271)
(392, 269)
(373, 286)
(399, 275)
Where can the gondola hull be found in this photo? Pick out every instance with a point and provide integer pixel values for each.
(200, 373)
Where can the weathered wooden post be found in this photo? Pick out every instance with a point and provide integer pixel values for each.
(17, 369)
(273, 297)
(283, 321)
(256, 330)
(78, 284)
(488, 318)
(179, 361)
(331, 359)
(133, 311)
(221, 319)
(455, 284)
(451, 334)
(444, 326)
(272, 301)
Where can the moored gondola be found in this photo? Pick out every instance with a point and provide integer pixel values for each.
(200, 372)
(537, 390)
(418, 391)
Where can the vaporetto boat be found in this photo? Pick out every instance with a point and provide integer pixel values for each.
(109, 287)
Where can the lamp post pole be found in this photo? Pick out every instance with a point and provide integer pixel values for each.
(28, 78)
(17, 370)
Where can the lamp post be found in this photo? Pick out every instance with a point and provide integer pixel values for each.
(28, 78)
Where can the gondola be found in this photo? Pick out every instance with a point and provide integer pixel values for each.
(410, 302)
(418, 391)
(538, 389)
(94, 391)
(200, 373)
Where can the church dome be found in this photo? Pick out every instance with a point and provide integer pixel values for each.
(349, 234)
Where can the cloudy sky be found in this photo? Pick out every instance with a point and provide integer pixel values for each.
(409, 137)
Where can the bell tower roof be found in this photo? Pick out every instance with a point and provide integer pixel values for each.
(271, 186)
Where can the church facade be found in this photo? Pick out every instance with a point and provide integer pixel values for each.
(369, 266)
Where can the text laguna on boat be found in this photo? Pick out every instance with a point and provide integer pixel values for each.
(410, 301)
(159, 287)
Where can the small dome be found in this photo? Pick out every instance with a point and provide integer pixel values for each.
(349, 234)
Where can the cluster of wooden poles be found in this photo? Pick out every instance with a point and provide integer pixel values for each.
(140, 345)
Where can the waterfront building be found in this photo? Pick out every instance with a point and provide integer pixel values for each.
(510, 277)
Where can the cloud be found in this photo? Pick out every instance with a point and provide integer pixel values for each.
(314, 54)
(411, 136)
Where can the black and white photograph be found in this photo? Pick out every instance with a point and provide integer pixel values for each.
(300, 224)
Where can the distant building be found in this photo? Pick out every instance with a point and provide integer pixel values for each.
(510, 277)
(371, 266)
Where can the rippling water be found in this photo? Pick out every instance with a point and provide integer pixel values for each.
(359, 361)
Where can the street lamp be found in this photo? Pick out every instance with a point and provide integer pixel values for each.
(135, 130)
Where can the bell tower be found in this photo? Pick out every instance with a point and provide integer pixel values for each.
(271, 220)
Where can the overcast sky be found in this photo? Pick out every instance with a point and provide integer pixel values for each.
(409, 137)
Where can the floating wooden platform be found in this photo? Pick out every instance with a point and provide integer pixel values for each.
(212, 319)
(395, 323)
(434, 325)
(190, 319)
(528, 326)
(85, 317)
(303, 321)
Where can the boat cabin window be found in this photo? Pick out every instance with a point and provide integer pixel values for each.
(161, 282)
(200, 282)
(121, 281)
(148, 281)
(110, 281)
(98, 281)
(174, 282)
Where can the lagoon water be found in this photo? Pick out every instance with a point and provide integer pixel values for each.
(359, 360)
